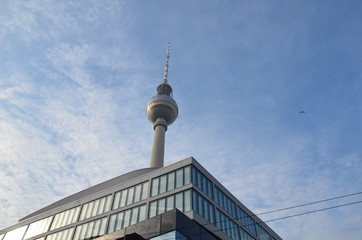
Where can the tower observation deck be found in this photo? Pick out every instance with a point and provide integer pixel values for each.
(162, 111)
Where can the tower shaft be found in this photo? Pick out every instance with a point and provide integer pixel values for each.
(158, 148)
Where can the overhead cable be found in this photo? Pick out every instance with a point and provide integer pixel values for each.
(311, 203)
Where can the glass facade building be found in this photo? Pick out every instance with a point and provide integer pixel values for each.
(138, 203)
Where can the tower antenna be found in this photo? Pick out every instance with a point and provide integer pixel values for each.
(166, 64)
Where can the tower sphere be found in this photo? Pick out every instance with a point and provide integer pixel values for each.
(162, 105)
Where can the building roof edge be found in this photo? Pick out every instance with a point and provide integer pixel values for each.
(91, 190)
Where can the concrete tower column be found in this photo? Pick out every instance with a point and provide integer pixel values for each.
(158, 147)
(162, 111)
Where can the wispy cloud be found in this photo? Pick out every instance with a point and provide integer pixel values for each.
(77, 77)
(60, 124)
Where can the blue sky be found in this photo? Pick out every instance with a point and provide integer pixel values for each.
(75, 78)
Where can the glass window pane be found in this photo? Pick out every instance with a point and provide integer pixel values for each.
(144, 191)
(170, 203)
(187, 200)
(179, 201)
(170, 181)
(166, 236)
(193, 171)
(47, 223)
(161, 206)
(102, 202)
(123, 198)
(153, 209)
(203, 207)
(225, 202)
(142, 213)
(163, 182)
(89, 229)
(68, 234)
(230, 207)
(218, 220)
(199, 180)
(58, 222)
(227, 226)
(187, 172)
(262, 234)
(194, 201)
(83, 231)
(209, 189)
(107, 206)
(68, 216)
(117, 198)
(112, 223)
(126, 218)
(76, 214)
(200, 206)
(96, 226)
(64, 218)
(233, 209)
(95, 208)
(137, 194)
(169, 236)
(119, 221)
(180, 236)
(206, 210)
(38, 227)
(102, 227)
(204, 184)
(227, 205)
(245, 235)
(130, 195)
(16, 234)
(89, 210)
(134, 216)
(76, 235)
(211, 213)
(155, 183)
(179, 178)
(217, 195)
(63, 235)
(55, 222)
(221, 221)
(84, 210)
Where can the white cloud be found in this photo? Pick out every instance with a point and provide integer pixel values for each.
(74, 88)
(59, 124)
(15, 19)
(70, 141)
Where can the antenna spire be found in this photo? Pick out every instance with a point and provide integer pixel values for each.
(166, 64)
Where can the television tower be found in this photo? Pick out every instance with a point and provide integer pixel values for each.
(162, 111)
